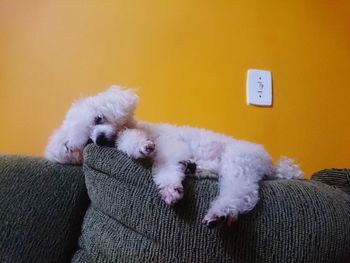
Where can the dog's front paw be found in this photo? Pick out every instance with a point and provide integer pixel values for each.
(213, 219)
(135, 143)
(171, 194)
(188, 167)
(147, 148)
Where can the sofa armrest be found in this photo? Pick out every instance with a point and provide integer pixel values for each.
(339, 178)
(42, 205)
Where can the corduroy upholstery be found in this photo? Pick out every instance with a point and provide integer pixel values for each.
(295, 221)
(42, 205)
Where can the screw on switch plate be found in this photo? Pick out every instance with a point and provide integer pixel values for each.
(259, 87)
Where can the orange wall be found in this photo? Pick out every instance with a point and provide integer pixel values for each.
(189, 60)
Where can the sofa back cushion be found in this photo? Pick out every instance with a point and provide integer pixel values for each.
(42, 206)
(338, 178)
(294, 221)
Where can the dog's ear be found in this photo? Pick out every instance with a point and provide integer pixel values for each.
(59, 149)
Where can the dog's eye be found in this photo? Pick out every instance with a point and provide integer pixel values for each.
(66, 147)
(98, 120)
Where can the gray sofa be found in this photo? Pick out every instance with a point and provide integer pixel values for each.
(109, 211)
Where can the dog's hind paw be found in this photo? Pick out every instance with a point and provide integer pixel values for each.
(171, 194)
(212, 220)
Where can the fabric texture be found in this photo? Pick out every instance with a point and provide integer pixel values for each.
(339, 178)
(294, 221)
(42, 206)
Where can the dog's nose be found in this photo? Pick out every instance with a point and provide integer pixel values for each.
(102, 140)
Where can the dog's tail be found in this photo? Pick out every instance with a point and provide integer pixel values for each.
(286, 168)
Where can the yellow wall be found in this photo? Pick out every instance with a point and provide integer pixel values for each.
(189, 60)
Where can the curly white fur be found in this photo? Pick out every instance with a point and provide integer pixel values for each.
(239, 165)
(99, 117)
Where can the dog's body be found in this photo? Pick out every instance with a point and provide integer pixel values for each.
(239, 165)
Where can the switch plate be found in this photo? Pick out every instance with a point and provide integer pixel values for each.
(259, 87)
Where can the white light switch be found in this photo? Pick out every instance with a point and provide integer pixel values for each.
(259, 87)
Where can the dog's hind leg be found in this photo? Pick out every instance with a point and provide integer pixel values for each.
(236, 197)
(241, 170)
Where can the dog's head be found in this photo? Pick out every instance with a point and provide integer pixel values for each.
(94, 119)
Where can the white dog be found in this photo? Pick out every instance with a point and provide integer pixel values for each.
(177, 151)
